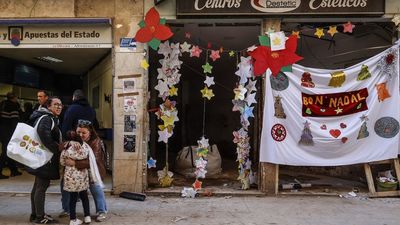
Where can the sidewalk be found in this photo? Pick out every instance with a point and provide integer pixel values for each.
(288, 210)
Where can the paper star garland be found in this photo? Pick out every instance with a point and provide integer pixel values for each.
(251, 86)
(240, 91)
(238, 105)
(163, 135)
(348, 27)
(209, 81)
(251, 99)
(207, 93)
(144, 64)
(245, 69)
(248, 112)
(214, 55)
(185, 47)
(207, 68)
(173, 91)
(195, 51)
(162, 88)
(231, 53)
(168, 120)
(169, 128)
(164, 49)
(319, 33)
(151, 163)
(332, 30)
(153, 30)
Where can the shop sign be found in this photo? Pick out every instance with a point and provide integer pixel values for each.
(55, 37)
(271, 7)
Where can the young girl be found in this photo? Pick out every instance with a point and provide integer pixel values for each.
(76, 182)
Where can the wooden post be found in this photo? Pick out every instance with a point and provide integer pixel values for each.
(269, 173)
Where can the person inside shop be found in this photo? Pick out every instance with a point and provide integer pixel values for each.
(42, 96)
(50, 136)
(10, 113)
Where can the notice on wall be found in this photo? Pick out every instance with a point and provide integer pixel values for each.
(129, 85)
(129, 143)
(130, 104)
(130, 123)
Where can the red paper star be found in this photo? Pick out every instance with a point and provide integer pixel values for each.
(197, 185)
(153, 28)
(348, 27)
(187, 35)
(214, 55)
(264, 58)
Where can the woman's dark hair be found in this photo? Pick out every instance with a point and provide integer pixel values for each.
(50, 100)
(88, 125)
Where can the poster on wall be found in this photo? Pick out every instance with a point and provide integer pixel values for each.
(129, 85)
(130, 123)
(129, 143)
(130, 104)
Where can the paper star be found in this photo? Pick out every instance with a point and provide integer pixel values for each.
(251, 99)
(251, 48)
(164, 49)
(195, 51)
(214, 55)
(185, 47)
(332, 30)
(364, 117)
(203, 143)
(207, 68)
(163, 135)
(209, 81)
(296, 33)
(338, 110)
(201, 152)
(307, 124)
(187, 35)
(168, 120)
(197, 185)
(144, 64)
(188, 193)
(151, 163)
(248, 112)
(348, 27)
(231, 53)
(169, 128)
(245, 69)
(319, 32)
(207, 93)
(173, 91)
(166, 181)
(396, 20)
(162, 87)
(200, 173)
(276, 41)
(238, 105)
(240, 91)
(251, 86)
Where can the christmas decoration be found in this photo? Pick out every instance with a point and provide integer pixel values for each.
(278, 132)
(214, 55)
(335, 133)
(144, 64)
(207, 93)
(306, 80)
(153, 30)
(319, 32)
(348, 27)
(207, 68)
(306, 138)
(185, 47)
(195, 51)
(332, 30)
(279, 112)
(387, 127)
(386, 64)
(364, 73)
(280, 82)
(337, 79)
(188, 193)
(363, 132)
(209, 81)
(383, 93)
(296, 34)
(278, 40)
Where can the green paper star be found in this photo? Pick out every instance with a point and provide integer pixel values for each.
(231, 53)
(207, 68)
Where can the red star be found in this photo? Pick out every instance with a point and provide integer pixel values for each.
(348, 27)
(197, 185)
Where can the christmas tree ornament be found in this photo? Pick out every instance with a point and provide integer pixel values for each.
(337, 79)
(306, 137)
(279, 112)
(364, 73)
(306, 80)
(363, 132)
(383, 93)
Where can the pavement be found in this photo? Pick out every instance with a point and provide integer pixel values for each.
(226, 210)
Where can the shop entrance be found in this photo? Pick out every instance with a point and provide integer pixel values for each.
(214, 117)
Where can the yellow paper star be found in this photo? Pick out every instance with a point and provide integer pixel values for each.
(231, 53)
(173, 91)
(296, 33)
(166, 181)
(332, 30)
(168, 120)
(169, 128)
(277, 41)
(144, 64)
(207, 93)
(319, 32)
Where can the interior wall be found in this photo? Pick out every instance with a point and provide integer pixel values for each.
(101, 75)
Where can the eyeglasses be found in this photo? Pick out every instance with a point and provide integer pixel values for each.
(84, 123)
(57, 105)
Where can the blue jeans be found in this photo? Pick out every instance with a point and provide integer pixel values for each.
(98, 197)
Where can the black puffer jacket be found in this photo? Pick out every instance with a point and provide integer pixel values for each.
(50, 139)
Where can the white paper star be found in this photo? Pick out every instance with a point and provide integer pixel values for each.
(161, 87)
(245, 69)
(188, 193)
(251, 99)
(251, 48)
(185, 47)
(164, 135)
(164, 48)
(203, 143)
(209, 81)
(251, 86)
(239, 92)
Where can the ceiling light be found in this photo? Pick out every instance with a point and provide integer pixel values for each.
(48, 59)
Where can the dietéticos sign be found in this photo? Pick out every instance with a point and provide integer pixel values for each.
(268, 7)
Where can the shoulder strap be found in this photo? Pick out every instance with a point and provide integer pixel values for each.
(40, 118)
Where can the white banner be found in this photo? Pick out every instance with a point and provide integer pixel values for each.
(316, 117)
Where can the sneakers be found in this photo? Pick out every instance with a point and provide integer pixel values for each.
(46, 219)
(87, 219)
(75, 222)
(63, 214)
(101, 217)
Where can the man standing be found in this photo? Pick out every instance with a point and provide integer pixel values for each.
(50, 136)
(42, 97)
(78, 110)
(9, 118)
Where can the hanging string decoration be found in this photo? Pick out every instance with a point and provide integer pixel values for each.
(168, 77)
(153, 30)
(244, 98)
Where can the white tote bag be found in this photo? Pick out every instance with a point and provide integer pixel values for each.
(25, 146)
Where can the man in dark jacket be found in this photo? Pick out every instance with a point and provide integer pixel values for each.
(50, 136)
(9, 118)
(79, 109)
